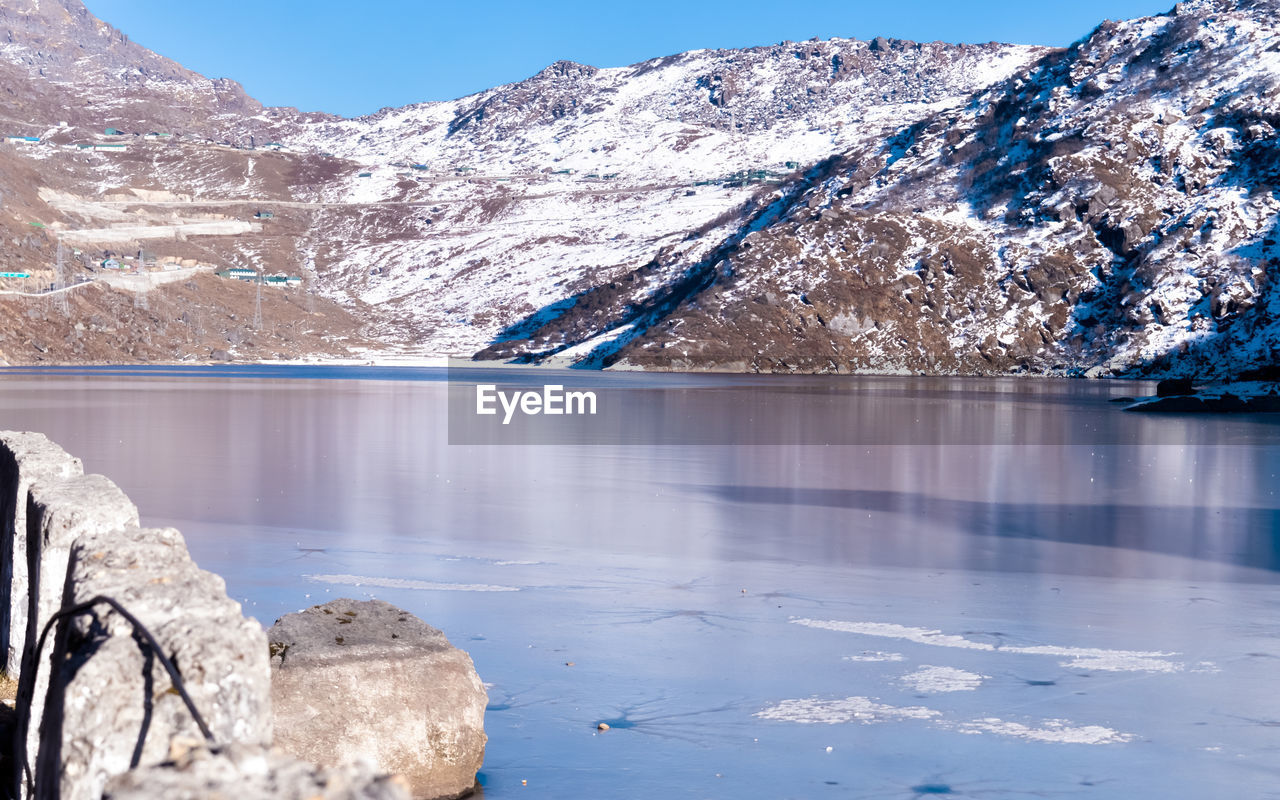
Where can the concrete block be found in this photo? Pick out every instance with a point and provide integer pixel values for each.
(365, 680)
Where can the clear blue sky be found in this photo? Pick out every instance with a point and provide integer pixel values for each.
(356, 57)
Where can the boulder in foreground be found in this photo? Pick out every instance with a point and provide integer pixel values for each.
(362, 680)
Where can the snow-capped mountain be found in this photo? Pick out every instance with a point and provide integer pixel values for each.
(1111, 209)
(522, 196)
(448, 223)
(820, 206)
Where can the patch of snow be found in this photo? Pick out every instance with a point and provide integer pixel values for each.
(931, 680)
(406, 583)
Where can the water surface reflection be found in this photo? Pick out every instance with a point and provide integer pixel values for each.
(735, 611)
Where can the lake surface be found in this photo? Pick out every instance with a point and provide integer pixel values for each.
(1061, 600)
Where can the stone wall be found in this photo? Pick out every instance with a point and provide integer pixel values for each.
(102, 706)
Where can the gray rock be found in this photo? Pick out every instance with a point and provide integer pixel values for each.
(60, 511)
(111, 692)
(364, 680)
(25, 458)
(238, 772)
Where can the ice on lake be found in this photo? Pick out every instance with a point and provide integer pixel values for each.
(1085, 618)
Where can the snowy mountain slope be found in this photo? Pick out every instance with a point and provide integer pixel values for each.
(526, 194)
(695, 113)
(1110, 210)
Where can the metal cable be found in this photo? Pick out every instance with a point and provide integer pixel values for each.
(27, 688)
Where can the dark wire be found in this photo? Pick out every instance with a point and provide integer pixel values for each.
(28, 679)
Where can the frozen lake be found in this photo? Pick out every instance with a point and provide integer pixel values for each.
(1089, 607)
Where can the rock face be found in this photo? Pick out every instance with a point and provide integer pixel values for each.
(245, 772)
(364, 680)
(115, 706)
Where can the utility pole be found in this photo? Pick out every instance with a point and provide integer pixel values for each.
(257, 305)
(61, 283)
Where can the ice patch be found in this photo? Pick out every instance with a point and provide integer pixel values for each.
(407, 583)
(1110, 661)
(1078, 657)
(930, 679)
(875, 655)
(1051, 730)
(864, 710)
(809, 711)
(889, 630)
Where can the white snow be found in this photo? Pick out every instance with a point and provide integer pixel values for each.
(812, 711)
(1078, 657)
(932, 680)
(1054, 730)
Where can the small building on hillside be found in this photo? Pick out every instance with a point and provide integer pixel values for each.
(283, 280)
(113, 132)
(22, 139)
(239, 274)
(265, 215)
(110, 263)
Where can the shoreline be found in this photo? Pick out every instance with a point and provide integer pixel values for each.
(449, 361)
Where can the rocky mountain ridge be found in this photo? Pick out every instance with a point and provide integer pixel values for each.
(1112, 210)
(60, 63)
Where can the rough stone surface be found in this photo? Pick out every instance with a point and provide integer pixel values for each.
(60, 511)
(365, 680)
(107, 689)
(239, 772)
(25, 458)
